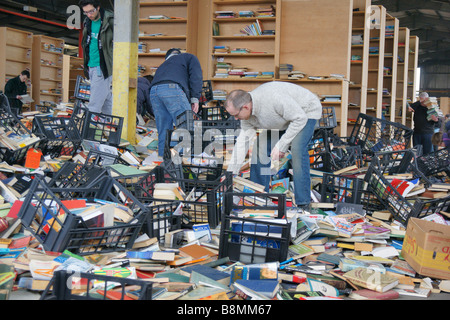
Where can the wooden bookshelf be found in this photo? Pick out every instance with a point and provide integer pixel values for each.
(261, 52)
(73, 67)
(411, 73)
(47, 71)
(390, 67)
(164, 25)
(376, 65)
(357, 93)
(402, 76)
(16, 47)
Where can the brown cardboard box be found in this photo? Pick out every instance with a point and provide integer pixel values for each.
(426, 248)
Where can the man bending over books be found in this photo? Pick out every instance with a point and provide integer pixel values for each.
(282, 109)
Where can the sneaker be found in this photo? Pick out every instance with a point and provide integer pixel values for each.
(305, 207)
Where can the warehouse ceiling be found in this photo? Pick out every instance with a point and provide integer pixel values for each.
(427, 19)
(46, 17)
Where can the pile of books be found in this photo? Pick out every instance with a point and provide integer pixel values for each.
(246, 13)
(285, 70)
(14, 141)
(254, 29)
(221, 49)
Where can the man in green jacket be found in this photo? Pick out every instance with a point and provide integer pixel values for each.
(97, 43)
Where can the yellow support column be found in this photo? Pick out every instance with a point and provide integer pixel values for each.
(125, 71)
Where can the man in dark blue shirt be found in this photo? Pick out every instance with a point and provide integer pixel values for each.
(423, 128)
(176, 88)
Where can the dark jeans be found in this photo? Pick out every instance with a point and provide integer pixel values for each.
(425, 140)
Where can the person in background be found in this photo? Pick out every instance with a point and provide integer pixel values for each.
(97, 44)
(176, 88)
(446, 134)
(291, 110)
(15, 88)
(144, 105)
(423, 128)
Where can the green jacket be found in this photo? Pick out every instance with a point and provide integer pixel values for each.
(105, 43)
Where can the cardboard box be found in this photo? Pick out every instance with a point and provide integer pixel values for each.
(426, 248)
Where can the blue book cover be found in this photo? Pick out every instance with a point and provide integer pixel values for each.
(265, 287)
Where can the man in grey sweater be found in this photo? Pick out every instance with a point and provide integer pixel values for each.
(285, 109)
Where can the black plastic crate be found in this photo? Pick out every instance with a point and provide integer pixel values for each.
(337, 188)
(204, 191)
(60, 136)
(44, 214)
(82, 89)
(376, 135)
(184, 147)
(401, 208)
(79, 115)
(106, 129)
(255, 203)
(328, 119)
(60, 287)
(435, 162)
(250, 240)
(76, 175)
(100, 158)
(190, 121)
(11, 126)
(162, 218)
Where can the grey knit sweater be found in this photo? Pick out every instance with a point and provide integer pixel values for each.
(276, 106)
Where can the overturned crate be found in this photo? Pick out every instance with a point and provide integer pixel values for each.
(102, 128)
(402, 208)
(435, 163)
(201, 193)
(60, 136)
(375, 135)
(66, 285)
(114, 228)
(253, 240)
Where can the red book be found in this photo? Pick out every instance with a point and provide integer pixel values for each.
(366, 294)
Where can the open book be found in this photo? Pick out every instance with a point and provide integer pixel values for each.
(26, 99)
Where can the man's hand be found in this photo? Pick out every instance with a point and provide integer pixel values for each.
(276, 154)
(410, 109)
(19, 97)
(434, 118)
(195, 107)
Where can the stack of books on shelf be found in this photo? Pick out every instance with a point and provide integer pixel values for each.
(265, 12)
(142, 47)
(357, 39)
(330, 98)
(296, 75)
(265, 75)
(285, 70)
(240, 50)
(221, 49)
(222, 69)
(158, 16)
(356, 58)
(221, 14)
(373, 50)
(237, 72)
(389, 31)
(219, 95)
(387, 71)
(251, 74)
(246, 13)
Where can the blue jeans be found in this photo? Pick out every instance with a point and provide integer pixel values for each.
(168, 101)
(425, 140)
(260, 168)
